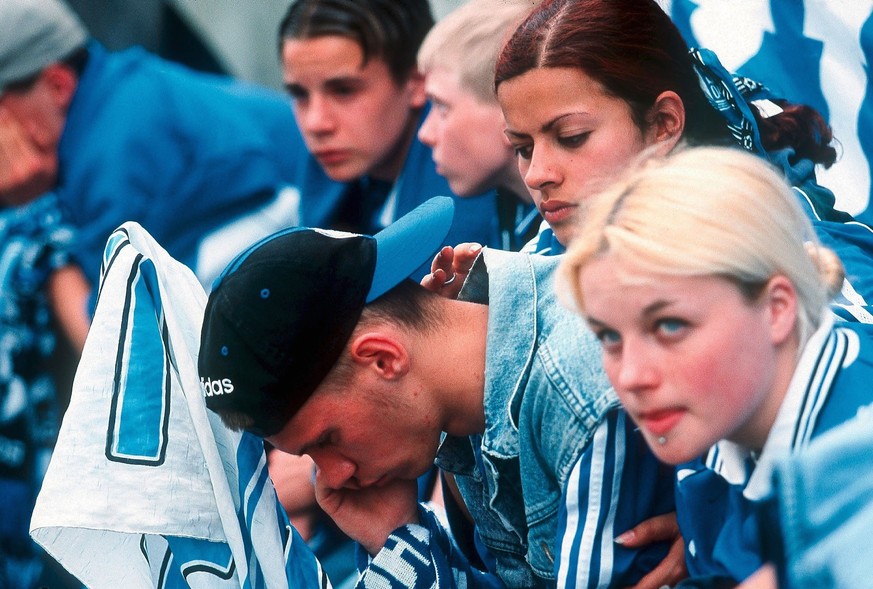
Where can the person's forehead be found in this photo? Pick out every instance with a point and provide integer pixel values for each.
(302, 430)
(444, 80)
(333, 55)
(321, 414)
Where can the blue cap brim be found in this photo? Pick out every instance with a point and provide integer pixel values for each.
(410, 242)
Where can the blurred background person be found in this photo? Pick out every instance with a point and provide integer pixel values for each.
(465, 125)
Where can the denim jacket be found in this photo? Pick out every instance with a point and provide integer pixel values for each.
(545, 393)
(823, 510)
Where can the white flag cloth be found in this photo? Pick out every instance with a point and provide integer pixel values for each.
(146, 488)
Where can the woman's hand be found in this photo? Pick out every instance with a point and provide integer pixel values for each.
(672, 569)
(449, 269)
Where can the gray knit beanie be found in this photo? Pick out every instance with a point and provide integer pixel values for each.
(35, 34)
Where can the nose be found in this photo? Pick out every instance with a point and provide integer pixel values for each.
(637, 371)
(427, 131)
(540, 171)
(336, 470)
(317, 116)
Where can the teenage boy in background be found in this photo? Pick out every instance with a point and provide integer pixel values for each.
(464, 128)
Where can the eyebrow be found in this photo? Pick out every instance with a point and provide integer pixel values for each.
(648, 311)
(548, 125)
(656, 306)
(330, 83)
(344, 81)
(594, 323)
(319, 439)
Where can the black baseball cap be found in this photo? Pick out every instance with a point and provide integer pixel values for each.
(282, 311)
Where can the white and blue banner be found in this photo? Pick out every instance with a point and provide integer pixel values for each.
(816, 52)
(146, 488)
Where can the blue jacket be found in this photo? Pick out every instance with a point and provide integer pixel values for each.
(206, 164)
(180, 152)
(559, 470)
(475, 217)
(717, 496)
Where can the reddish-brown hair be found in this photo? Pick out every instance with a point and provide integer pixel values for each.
(633, 49)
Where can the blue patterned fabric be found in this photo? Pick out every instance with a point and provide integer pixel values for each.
(34, 242)
(812, 52)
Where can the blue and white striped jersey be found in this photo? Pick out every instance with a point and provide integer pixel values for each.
(544, 243)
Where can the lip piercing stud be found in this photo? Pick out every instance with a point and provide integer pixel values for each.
(662, 440)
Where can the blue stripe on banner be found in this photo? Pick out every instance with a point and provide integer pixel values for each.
(139, 417)
(198, 563)
(252, 473)
(116, 242)
(251, 501)
(810, 52)
(302, 569)
(165, 573)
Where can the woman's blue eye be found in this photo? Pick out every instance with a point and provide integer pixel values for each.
(608, 337)
(671, 326)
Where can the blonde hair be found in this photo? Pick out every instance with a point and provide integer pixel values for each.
(468, 40)
(708, 211)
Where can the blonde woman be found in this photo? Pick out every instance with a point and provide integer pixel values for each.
(699, 275)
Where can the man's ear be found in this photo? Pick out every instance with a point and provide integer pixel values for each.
(780, 298)
(381, 351)
(415, 88)
(667, 118)
(61, 81)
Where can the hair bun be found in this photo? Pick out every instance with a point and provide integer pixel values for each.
(830, 268)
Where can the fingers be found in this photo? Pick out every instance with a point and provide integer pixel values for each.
(660, 527)
(434, 281)
(449, 269)
(443, 260)
(440, 270)
(465, 254)
(669, 572)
